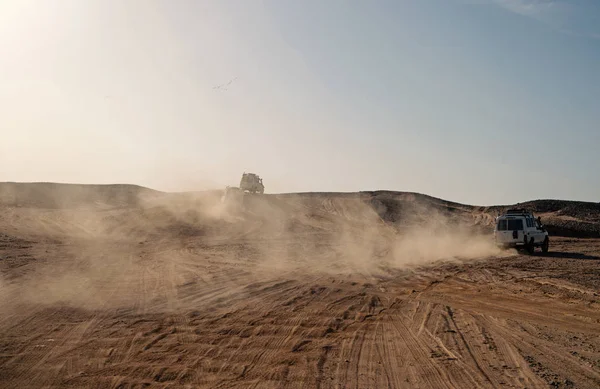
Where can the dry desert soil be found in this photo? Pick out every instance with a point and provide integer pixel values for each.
(119, 286)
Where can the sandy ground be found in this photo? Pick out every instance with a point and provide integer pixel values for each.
(286, 293)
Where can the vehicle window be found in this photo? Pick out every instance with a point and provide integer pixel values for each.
(529, 222)
(502, 225)
(515, 225)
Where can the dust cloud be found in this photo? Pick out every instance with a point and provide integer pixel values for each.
(144, 248)
(441, 238)
(353, 238)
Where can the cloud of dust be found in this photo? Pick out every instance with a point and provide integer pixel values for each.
(143, 250)
(355, 239)
(439, 239)
(108, 246)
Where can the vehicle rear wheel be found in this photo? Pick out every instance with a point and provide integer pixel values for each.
(546, 245)
(530, 247)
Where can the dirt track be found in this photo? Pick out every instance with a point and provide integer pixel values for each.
(311, 293)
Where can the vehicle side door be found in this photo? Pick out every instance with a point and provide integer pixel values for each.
(532, 231)
(541, 235)
(529, 230)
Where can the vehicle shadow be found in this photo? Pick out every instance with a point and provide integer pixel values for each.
(567, 255)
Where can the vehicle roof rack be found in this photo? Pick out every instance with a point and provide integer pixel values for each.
(517, 212)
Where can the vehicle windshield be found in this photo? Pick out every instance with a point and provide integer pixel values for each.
(510, 225)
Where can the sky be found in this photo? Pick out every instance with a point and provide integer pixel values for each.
(477, 101)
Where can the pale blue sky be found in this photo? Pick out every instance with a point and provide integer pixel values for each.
(476, 101)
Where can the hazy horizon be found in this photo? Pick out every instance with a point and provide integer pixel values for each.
(475, 101)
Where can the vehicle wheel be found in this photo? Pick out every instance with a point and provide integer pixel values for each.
(545, 245)
(530, 247)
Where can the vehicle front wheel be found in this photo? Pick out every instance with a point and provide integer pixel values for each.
(545, 245)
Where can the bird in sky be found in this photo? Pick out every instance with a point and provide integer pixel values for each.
(224, 86)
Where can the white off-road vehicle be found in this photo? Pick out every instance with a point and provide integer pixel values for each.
(518, 228)
(252, 183)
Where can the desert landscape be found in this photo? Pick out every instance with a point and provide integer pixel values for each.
(120, 286)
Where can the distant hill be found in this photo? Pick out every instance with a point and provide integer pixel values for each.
(53, 195)
(561, 217)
